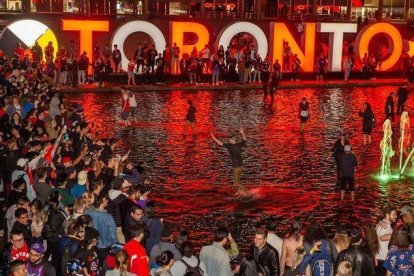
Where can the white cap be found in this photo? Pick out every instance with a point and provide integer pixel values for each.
(22, 162)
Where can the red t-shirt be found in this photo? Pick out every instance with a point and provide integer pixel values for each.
(138, 259)
(131, 66)
(20, 254)
(20, 52)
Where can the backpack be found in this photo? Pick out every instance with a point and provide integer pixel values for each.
(322, 263)
(69, 249)
(193, 271)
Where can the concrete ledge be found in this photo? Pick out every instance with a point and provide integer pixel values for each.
(112, 87)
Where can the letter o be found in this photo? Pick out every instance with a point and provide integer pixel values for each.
(137, 26)
(225, 36)
(394, 39)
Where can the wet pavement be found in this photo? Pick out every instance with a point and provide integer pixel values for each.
(289, 172)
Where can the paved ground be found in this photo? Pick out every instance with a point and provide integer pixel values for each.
(112, 87)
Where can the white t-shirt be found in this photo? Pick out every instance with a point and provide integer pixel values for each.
(276, 242)
(132, 101)
(383, 250)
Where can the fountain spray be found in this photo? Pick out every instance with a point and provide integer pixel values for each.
(386, 150)
(404, 137)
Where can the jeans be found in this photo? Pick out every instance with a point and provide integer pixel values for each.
(175, 66)
(192, 77)
(63, 79)
(215, 77)
(81, 76)
(256, 75)
(247, 74)
(237, 172)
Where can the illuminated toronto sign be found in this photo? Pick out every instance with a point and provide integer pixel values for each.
(267, 45)
(27, 32)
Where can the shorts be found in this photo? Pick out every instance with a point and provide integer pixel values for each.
(124, 115)
(304, 119)
(347, 182)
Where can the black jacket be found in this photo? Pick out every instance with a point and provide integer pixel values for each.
(127, 227)
(118, 206)
(267, 260)
(25, 229)
(5, 259)
(362, 261)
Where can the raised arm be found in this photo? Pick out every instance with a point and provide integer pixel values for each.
(216, 140)
(243, 134)
(283, 258)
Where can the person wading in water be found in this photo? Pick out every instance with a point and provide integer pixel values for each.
(235, 149)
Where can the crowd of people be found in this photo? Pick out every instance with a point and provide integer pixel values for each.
(75, 206)
(238, 62)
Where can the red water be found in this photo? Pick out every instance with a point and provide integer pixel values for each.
(289, 171)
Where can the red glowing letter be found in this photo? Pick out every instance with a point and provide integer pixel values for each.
(85, 27)
(177, 35)
(280, 33)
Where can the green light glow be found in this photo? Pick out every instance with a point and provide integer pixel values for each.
(386, 149)
(404, 140)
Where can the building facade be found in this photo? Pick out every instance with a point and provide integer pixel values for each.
(336, 10)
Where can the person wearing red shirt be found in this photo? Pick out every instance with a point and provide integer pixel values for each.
(19, 249)
(16, 250)
(138, 262)
(19, 51)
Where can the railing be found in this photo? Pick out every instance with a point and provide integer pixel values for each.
(207, 14)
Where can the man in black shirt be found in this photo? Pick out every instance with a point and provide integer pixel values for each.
(235, 149)
(402, 95)
(389, 107)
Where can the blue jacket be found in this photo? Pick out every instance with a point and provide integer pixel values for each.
(105, 224)
(78, 190)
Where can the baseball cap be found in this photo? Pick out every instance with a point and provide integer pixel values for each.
(69, 170)
(66, 159)
(82, 176)
(22, 162)
(406, 209)
(119, 183)
(38, 248)
(115, 248)
(73, 267)
(342, 229)
(347, 148)
(79, 109)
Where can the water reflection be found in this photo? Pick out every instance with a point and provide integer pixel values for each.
(289, 170)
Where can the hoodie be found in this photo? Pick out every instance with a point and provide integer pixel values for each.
(54, 107)
(118, 206)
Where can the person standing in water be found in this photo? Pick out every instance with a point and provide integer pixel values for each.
(235, 150)
(190, 117)
(368, 122)
(389, 107)
(348, 162)
(303, 113)
(337, 150)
